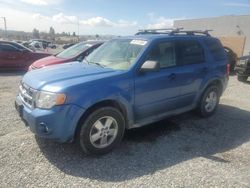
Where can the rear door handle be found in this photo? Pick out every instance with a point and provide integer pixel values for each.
(172, 76)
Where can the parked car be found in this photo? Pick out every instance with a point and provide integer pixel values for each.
(44, 43)
(243, 68)
(65, 46)
(17, 45)
(127, 82)
(14, 56)
(36, 46)
(51, 45)
(232, 57)
(74, 53)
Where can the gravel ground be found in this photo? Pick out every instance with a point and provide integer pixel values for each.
(182, 151)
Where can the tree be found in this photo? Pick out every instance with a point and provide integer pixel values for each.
(63, 33)
(52, 33)
(97, 36)
(35, 33)
(74, 34)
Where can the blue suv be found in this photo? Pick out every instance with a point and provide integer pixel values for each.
(128, 82)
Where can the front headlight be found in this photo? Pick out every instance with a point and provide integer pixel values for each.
(47, 100)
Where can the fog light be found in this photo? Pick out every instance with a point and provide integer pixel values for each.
(44, 127)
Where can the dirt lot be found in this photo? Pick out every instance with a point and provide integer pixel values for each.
(182, 151)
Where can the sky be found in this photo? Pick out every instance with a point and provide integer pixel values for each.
(115, 17)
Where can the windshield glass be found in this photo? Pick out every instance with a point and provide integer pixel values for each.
(74, 50)
(21, 47)
(117, 54)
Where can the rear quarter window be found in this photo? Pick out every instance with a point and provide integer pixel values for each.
(216, 49)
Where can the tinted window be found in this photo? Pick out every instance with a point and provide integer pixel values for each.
(19, 46)
(164, 53)
(216, 49)
(7, 48)
(189, 52)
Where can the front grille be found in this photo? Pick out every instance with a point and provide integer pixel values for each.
(242, 62)
(27, 95)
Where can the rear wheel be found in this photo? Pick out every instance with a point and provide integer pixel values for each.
(242, 78)
(209, 101)
(101, 131)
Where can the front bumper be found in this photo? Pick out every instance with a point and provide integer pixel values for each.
(58, 123)
(243, 70)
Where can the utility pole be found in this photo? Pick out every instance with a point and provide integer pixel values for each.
(78, 29)
(5, 26)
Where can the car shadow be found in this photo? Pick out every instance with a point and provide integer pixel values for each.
(247, 82)
(158, 146)
(12, 73)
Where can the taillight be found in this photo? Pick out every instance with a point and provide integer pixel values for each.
(228, 69)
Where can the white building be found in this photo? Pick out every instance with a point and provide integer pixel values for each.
(234, 31)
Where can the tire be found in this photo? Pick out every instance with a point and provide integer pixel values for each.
(203, 108)
(93, 135)
(242, 78)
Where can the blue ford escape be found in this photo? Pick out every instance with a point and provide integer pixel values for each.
(128, 82)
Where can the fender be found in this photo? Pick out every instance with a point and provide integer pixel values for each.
(204, 86)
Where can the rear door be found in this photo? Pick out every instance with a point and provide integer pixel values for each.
(194, 67)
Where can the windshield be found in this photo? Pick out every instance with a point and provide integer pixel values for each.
(117, 54)
(21, 47)
(74, 50)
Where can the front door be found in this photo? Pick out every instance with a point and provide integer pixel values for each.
(157, 92)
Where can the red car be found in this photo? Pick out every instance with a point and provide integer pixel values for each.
(76, 52)
(14, 56)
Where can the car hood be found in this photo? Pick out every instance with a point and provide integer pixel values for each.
(57, 78)
(245, 57)
(50, 60)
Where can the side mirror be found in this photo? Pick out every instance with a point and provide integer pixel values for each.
(149, 66)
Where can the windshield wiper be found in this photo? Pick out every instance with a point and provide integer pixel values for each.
(95, 63)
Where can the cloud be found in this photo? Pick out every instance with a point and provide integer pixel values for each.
(58, 18)
(104, 22)
(124, 23)
(97, 22)
(91, 22)
(63, 19)
(39, 16)
(160, 22)
(41, 2)
(245, 5)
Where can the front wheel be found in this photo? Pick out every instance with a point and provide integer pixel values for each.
(209, 101)
(242, 78)
(101, 131)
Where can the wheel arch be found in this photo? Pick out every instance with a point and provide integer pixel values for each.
(105, 103)
(216, 81)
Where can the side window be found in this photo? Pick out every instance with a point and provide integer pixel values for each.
(7, 48)
(164, 53)
(189, 52)
(215, 49)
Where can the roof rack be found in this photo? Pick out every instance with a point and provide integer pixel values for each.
(192, 32)
(158, 31)
(174, 31)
